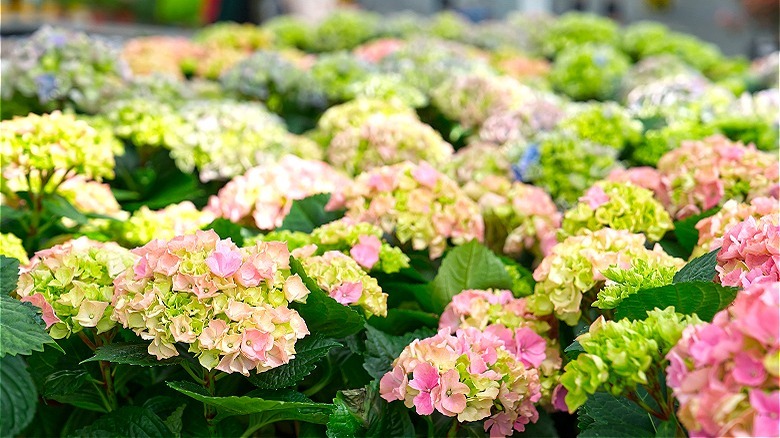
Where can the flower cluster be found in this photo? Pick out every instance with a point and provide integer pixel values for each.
(143, 122)
(388, 86)
(575, 268)
(49, 148)
(224, 138)
(620, 355)
(641, 274)
(576, 29)
(477, 161)
(415, 202)
(542, 114)
(159, 54)
(229, 305)
(471, 99)
(518, 217)
(57, 68)
(383, 140)
(73, 284)
(263, 195)
(608, 124)
(643, 176)
(752, 119)
(344, 30)
(469, 374)
(622, 206)
(334, 73)
(355, 113)
(244, 37)
(373, 51)
(656, 142)
(532, 339)
(343, 279)
(11, 246)
(703, 174)
(725, 373)
(750, 252)
(589, 71)
(145, 225)
(712, 229)
(564, 166)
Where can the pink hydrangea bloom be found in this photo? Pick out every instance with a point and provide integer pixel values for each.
(645, 177)
(493, 386)
(374, 51)
(750, 252)
(263, 196)
(366, 252)
(700, 175)
(712, 229)
(595, 197)
(724, 373)
(229, 304)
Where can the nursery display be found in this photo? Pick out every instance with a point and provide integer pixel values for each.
(398, 226)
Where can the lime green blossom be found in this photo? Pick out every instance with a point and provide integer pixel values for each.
(589, 72)
(574, 29)
(246, 37)
(620, 355)
(574, 269)
(143, 121)
(145, 225)
(73, 284)
(341, 277)
(603, 123)
(643, 274)
(353, 114)
(618, 205)
(11, 246)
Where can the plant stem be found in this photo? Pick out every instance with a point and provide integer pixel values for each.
(106, 372)
(431, 430)
(210, 412)
(87, 341)
(323, 382)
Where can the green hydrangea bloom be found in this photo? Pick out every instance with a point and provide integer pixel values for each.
(388, 86)
(143, 122)
(246, 37)
(638, 36)
(293, 239)
(11, 246)
(335, 72)
(620, 355)
(589, 72)
(643, 274)
(659, 141)
(354, 113)
(344, 30)
(618, 205)
(604, 123)
(145, 225)
(574, 29)
(290, 31)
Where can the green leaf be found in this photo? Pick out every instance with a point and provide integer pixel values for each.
(309, 351)
(469, 266)
(58, 207)
(372, 416)
(130, 354)
(605, 415)
(382, 349)
(400, 321)
(543, 428)
(322, 313)
(667, 429)
(130, 422)
(309, 213)
(73, 387)
(704, 299)
(701, 268)
(18, 396)
(21, 329)
(226, 229)
(271, 410)
(686, 232)
(9, 274)
(573, 350)
(342, 423)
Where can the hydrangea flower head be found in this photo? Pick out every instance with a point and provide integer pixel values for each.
(145, 225)
(73, 283)
(591, 71)
(341, 277)
(750, 252)
(608, 124)
(383, 140)
(518, 217)
(575, 268)
(642, 274)
(354, 114)
(621, 355)
(160, 54)
(712, 229)
(416, 203)
(228, 304)
(469, 375)
(622, 206)
(477, 161)
(704, 174)
(144, 122)
(263, 195)
(725, 373)
(11, 246)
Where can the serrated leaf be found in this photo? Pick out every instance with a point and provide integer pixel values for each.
(271, 410)
(372, 415)
(701, 268)
(309, 213)
(18, 396)
(226, 229)
(341, 423)
(55, 206)
(73, 387)
(309, 351)
(704, 299)
(382, 349)
(21, 329)
(130, 354)
(9, 274)
(322, 313)
(604, 415)
(130, 422)
(469, 266)
(686, 232)
(573, 350)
